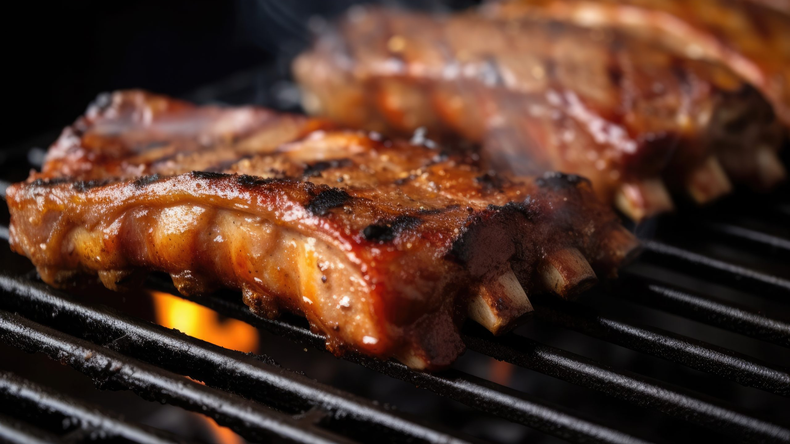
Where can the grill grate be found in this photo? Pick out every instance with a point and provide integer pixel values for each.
(261, 400)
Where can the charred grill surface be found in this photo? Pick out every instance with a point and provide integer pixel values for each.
(385, 246)
(631, 115)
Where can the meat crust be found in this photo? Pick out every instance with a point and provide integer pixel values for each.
(384, 245)
(548, 96)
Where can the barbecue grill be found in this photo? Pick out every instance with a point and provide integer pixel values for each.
(690, 344)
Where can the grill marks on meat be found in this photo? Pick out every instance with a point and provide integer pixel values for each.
(309, 220)
(629, 114)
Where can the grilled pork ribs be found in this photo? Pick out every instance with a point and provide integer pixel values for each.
(385, 246)
(631, 115)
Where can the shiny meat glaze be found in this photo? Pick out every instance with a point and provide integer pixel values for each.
(745, 35)
(546, 96)
(385, 246)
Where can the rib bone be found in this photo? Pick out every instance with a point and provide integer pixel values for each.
(770, 168)
(640, 200)
(500, 303)
(708, 181)
(623, 246)
(566, 272)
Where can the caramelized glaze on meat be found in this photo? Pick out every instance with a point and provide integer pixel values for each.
(384, 245)
(547, 96)
(748, 36)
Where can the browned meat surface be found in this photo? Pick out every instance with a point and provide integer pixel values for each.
(779, 5)
(384, 245)
(748, 36)
(627, 114)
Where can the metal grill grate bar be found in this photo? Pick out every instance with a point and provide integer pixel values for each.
(637, 389)
(747, 236)
(675, 348)
(251, 420)
(24, 393)
(704, 309)
(715, 270)
(14, 432)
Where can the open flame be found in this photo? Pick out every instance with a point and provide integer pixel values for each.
(222, 435)
(203, 323)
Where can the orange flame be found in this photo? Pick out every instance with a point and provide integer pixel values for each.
(222, 435)
(203, 323)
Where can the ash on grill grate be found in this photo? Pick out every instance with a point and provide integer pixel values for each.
(692, 344)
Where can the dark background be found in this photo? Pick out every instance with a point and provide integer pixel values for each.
(63, 54)
(57, 56)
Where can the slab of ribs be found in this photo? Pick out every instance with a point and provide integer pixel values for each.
(386, 246)
(644, 97)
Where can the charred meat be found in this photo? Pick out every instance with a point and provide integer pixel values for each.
(630, 115)
(385, 246)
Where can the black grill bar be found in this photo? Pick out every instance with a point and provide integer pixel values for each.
(249, 419)
(639, 390)
(715, 270)
(746, 236)
(15, 432)
(706, 309)
(24, 394)
(37, 298)
(695, 354)
(258, 378)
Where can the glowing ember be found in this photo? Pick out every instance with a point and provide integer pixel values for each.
(500, 372)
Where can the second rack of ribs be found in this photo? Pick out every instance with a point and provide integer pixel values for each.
(633, 116)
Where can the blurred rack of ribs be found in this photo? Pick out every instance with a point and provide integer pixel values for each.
(637, 118)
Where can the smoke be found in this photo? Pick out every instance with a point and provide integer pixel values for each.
(286, 28)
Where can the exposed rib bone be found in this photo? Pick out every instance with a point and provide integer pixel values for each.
(640, 200)
(412, 360)
(566, 272)
(770, 168)
(499, 304)
(708, 181)
(623, 247)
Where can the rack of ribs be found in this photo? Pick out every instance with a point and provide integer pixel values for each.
(385, 246)
(748, 36)
(631, 115)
